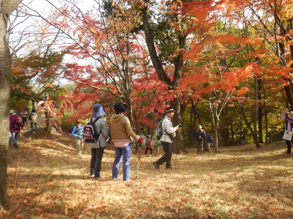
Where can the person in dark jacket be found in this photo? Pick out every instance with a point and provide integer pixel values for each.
(200, 136)
(209, 141)
(287, 116)
(15, 126)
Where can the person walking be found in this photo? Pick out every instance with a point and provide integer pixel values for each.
(209, 141)
(200, 136)
(287, 116)
(166, 140)
(15, 126)
(97, 148)
(24, 116)
(121, 133)
(33, 117)
(77, 132)
(149, 145)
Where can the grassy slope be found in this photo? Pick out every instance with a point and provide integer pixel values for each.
(240, 182)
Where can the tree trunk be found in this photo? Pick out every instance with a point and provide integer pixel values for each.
(255, 111)
(6, 7)
(254, 136)
(260, 111)
(4, 109)
(177, 146)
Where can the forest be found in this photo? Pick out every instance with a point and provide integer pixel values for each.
(225, 65)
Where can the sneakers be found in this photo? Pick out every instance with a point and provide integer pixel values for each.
(156, 166)
(169, 168)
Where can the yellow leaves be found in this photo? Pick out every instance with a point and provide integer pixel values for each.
(80, 36)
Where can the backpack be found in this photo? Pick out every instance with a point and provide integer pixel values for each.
(18, 123)
(89, 131)
(70, 130)
(160, 129)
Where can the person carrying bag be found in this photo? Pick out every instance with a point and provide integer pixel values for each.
(287, 116)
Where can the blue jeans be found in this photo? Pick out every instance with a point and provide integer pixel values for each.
(14, 136)
(126, 154)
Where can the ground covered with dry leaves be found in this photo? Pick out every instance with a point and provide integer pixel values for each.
(47, 179)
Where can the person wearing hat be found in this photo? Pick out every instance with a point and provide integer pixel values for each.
(200, 136)
(121, 133)
(77, 132)
(287, 116)
(97, 148)
(15, 126)
(166, 140)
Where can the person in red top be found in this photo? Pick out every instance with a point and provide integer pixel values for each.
(149, 145)
(15, 126)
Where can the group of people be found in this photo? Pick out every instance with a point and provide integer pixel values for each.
(122, 136)
(201, 137)
(16, 123)
(25, 115)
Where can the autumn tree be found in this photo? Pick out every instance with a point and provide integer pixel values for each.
(165, 37)
(6, 7)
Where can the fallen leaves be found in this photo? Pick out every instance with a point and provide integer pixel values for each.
(60, 186)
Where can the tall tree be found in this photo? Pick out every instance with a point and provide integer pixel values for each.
(6, 7)
(166, 41)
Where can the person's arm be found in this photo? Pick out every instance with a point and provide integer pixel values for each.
(104, 128)
(288, 117)
(74, 131)
(129, 130)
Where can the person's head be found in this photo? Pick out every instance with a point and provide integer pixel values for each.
(199, 127)
(78, 122)
(170, 112)
(98, 110)
(119, 107)
(11, 112)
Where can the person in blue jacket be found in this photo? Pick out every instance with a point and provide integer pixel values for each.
(77, 132)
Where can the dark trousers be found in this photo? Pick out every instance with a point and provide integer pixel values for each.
(96, 161)
(288, 143)
(32, 125)
(146, 150)
(24, 119)
(167, 156)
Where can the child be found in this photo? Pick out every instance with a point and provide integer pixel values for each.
(77, 132)
(149, 145)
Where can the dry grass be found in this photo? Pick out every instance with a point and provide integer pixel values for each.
(240, 182)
